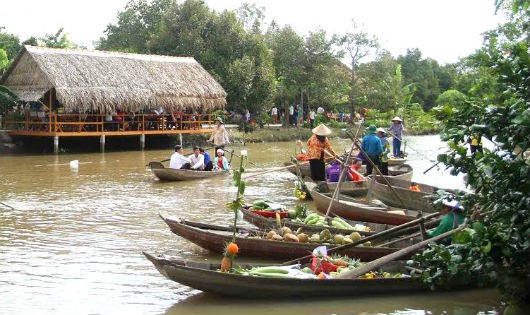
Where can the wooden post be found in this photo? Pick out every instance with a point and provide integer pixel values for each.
(102, 143)
(142, 141)
(180, 138)
(56, 144)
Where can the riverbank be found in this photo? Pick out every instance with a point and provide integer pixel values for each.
(277, 133)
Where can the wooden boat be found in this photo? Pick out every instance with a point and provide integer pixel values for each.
(251, 244)
(269, 223)
(205, 276)
(305, 171)
(359, 189)
(396, 161)
(415, 200)
(170, 174)
(352, 209)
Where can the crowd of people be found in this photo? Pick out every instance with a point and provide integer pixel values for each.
(201, 160)
(374, 151)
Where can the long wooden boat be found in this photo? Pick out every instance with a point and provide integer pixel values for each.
(251, 244)
(360, 189)
(205, 277)
(352, 209)
(170, 174)
(415, 200)
(268, 223)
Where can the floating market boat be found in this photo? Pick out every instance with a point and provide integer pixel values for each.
(254, 244)
(206, 277)
(170, 174)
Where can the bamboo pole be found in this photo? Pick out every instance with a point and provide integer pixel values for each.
(374, 236)
(374, 264)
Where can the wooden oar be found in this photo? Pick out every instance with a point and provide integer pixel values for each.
(274, 170)
(7, 205)
(342, 173)
(374, 264)
(374, 236)
(232, 152)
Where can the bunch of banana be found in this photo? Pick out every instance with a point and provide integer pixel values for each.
(298, 193)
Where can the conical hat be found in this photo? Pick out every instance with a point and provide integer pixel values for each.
(396, 118)
(321, 130)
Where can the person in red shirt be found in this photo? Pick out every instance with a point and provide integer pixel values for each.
(354, 171)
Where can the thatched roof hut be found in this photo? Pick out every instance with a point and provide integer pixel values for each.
(82, 80)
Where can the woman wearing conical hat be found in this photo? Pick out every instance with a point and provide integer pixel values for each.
(396, 131)
(318, 147)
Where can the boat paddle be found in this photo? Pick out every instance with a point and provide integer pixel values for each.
(374, 264)
(374, 236)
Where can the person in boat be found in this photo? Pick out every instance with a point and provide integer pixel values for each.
(208, 165)
(220, 162)
(372, 147)
(354, 171)
(381, 133)
(414, 187)
(179, 161)
(219, 135)
(197, 160)
(453, 216)
(318, 146)
(333, 172)
(396, 130)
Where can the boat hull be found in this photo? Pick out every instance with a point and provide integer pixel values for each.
(206, 277)
(170, 174)
(208, 237)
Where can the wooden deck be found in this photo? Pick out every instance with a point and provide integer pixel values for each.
(90, 125)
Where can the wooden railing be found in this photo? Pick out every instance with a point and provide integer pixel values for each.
(97, 123)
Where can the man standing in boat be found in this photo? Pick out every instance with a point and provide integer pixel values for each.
(372, 148)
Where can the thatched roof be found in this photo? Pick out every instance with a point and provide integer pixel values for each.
(98, 80)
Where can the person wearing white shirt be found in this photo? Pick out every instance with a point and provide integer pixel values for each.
(179, 161)
(197, 159)
(274, 115)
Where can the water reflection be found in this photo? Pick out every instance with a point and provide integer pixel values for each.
(72, 241)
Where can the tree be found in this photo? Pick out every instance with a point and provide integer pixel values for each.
(497, 247)
(7, 98)
(423, 74)
(358, 45)
(137, 25)
(57, 40)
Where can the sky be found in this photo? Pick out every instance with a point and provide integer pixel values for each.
(444, 30)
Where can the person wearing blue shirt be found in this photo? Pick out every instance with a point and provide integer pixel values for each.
(208, 165)
(396, 131)
(372, 147)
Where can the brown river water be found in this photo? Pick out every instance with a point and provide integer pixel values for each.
(71, 240)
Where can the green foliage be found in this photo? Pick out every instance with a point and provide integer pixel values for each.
(57, 40)
(7, 99)
(238, 202)
(500, 177)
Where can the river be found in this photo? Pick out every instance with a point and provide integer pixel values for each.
(71, 239)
